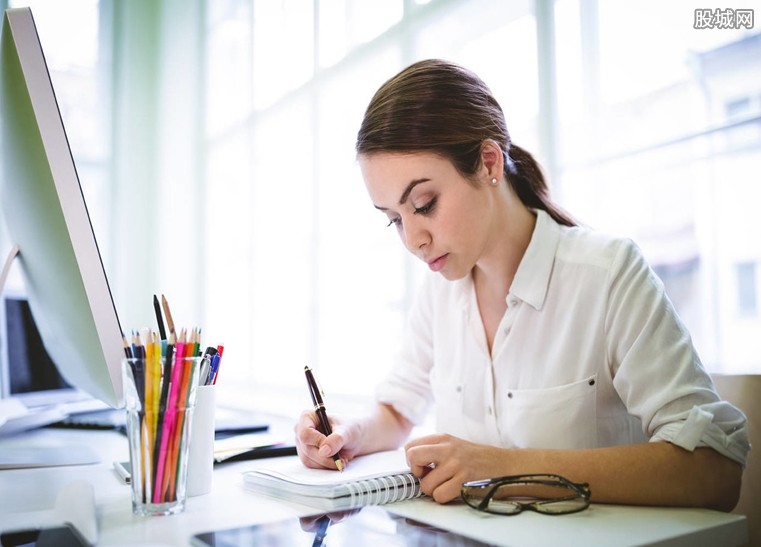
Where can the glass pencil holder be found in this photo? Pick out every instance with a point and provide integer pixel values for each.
(160, 395)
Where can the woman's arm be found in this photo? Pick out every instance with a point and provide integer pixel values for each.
(383, 429)
(657, 473)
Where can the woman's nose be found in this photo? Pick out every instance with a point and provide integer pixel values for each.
(416, 235)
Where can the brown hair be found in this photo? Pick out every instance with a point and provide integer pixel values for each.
(437, 106)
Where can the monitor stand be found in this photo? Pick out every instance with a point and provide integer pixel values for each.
(14, 252)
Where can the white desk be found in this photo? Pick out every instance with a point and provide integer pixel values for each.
(27, 497)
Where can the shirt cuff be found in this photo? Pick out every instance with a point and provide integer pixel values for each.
(703, 428)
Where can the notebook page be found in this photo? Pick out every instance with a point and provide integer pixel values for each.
(379, 464)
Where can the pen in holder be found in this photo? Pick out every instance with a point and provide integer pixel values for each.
(160, 393)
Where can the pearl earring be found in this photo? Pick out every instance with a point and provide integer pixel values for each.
(494, 182)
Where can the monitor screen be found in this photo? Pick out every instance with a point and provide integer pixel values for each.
(33, 370)
(46, 216)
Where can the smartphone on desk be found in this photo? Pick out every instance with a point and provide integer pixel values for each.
(64, 535)
(123, 471)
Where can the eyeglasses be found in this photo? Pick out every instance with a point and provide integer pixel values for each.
(544, 493)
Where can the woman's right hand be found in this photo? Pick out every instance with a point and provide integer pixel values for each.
(382, 429)
(315, 449)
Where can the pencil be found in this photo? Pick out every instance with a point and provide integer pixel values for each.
(148, 404)
(162, 478)
(155, 364)
(167, 313)
(127, 349)
(163, 399)
(182, 402)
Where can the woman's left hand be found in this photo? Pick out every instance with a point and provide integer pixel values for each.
(444, 463)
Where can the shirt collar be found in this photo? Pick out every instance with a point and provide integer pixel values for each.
(533, 276)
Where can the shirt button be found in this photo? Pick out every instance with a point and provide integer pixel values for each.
(491, 411)
(507, 331)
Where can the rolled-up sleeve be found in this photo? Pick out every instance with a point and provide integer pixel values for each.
(657, 372)
(717, 425)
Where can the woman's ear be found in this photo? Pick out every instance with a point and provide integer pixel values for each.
(492, 164)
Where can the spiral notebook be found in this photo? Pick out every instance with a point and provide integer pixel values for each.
(373, 479)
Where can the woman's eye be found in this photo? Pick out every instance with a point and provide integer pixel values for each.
(394, 221)
(427, 208)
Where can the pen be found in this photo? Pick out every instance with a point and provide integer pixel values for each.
(214, 369)
(322, 415)
(205, 369)
(322, 531)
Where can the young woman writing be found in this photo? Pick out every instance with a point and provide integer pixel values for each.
(542, 346)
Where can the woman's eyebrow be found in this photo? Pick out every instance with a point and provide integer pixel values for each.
(409, 188)
(406, 193)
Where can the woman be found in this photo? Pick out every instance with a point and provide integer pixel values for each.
(544, 347)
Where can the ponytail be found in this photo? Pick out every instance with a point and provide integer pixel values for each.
(527, 179)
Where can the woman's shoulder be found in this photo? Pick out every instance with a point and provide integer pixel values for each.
(583, 244)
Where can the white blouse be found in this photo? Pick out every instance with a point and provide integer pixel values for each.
(589, 353)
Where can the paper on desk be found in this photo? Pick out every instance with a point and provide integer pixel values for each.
(238, 444)
(16, 417)
(26, 457)
(11, 408)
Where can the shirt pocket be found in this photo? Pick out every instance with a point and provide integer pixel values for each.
(557, 417)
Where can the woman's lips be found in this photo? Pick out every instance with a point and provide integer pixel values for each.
(438, 263)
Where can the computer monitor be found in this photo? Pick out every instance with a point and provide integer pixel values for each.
(46, 216)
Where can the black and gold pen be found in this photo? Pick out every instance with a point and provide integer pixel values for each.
(322, 415)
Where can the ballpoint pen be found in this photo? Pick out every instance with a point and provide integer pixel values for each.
(322, 415)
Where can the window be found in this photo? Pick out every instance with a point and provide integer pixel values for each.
(651, 142)
(747, 289)
(658, 141)
(320, 280)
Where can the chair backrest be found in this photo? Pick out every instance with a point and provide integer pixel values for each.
(744, 391)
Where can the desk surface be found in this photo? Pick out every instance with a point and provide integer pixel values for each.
(28, 495)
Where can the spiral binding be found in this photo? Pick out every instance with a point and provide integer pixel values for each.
(381, 490)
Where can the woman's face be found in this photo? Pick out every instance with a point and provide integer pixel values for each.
(442, 218)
